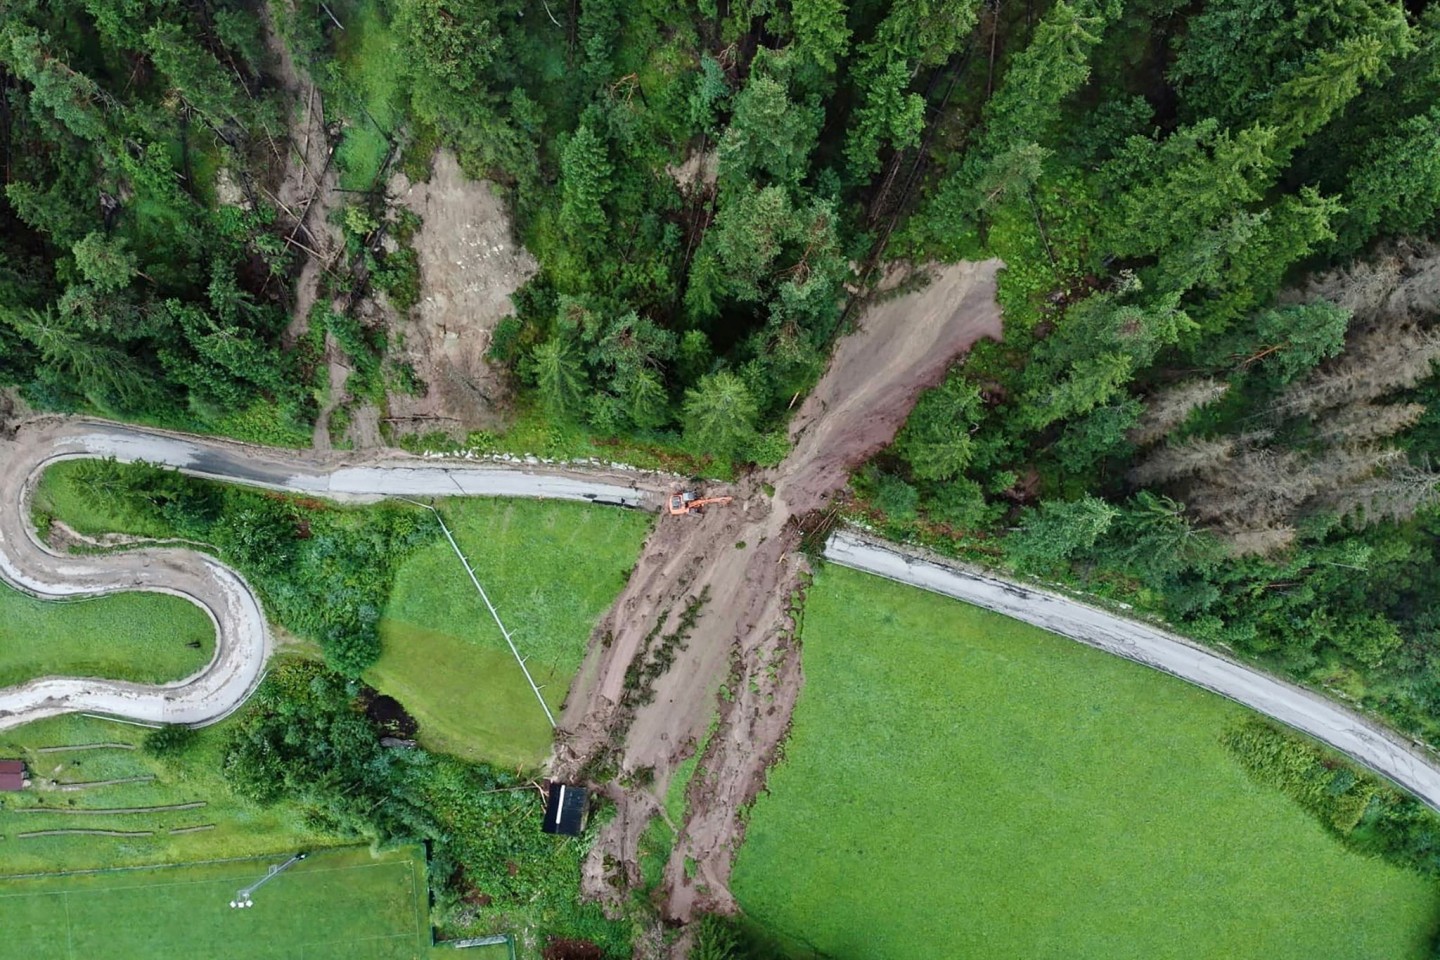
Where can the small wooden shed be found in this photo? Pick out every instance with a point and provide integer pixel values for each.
(12, 776)
(565, 806)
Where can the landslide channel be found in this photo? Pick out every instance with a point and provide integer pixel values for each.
(710, 603)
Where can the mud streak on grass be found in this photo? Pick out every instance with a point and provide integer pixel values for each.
(629, 742)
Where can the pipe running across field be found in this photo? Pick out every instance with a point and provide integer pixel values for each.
(243, 638)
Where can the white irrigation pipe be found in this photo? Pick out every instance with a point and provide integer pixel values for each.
(133, 723)
(483, 596)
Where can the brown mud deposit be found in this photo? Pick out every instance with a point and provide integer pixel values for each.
(306, 191)
(63, 538)
(337, 375)
(710, 603)
(13, 409)
(469, 266)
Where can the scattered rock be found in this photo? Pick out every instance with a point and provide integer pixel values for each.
(469, 266)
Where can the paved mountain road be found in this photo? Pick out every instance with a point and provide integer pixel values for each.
(244, 643)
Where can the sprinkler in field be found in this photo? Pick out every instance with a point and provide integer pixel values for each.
(243, 898)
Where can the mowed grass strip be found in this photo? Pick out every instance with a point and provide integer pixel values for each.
(551, 569)
(961, 785)
(139, 637)
(341, 904)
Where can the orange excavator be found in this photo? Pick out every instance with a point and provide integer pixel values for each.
(685, 503)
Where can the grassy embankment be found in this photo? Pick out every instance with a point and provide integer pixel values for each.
(550, 568)
(340, 904)
(366, 92)
(239, 829)
(959, 784)
(531, 432)
(59, 496)
(140, 637)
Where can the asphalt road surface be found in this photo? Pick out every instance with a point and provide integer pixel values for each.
(244, 642)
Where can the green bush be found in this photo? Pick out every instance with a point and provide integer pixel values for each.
(1364, 813)
(323, 572)
(170, 742)
(896, 498)
(717, 940)
(304, 739)
(398, 274)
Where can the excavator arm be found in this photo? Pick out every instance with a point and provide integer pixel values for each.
(682, 504)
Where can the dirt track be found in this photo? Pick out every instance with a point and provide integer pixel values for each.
(242, 639)
(470, 265)
(650, 688)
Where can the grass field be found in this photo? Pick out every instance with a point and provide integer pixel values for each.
(551, 569)
(142, 637)
(239, 830)
(961, 785)
(336, 904)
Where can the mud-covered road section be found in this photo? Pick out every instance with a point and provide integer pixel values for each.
(704, 636)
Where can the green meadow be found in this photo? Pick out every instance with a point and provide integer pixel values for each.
(961, 785)
(140, 637)
(336, 905)
(551, 569)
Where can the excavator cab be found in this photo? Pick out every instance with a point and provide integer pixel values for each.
(685, 502)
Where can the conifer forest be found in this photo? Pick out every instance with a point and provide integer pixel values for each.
(1214, 400)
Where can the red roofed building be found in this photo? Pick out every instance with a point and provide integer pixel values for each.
(12, 776)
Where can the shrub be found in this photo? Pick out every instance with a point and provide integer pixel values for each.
(304, 739)
(170, 742)
(896, 498)
(1365, 814)
(322, 573)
